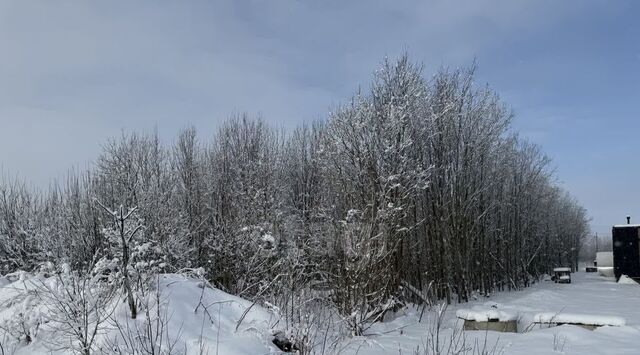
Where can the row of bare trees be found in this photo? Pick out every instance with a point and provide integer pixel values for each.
(417, 186)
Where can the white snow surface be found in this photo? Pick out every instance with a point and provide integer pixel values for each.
(573, 318)
(589, 299)
(481, 314)
(589, 295)
(626, 226)
(216, 331)
(562, 269)
(252, 337)
(626, 280)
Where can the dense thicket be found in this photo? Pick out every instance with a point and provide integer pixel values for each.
(415, 189)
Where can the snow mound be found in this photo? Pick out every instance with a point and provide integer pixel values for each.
(586, 319)
(196, 318)
(626, 280)
(484, 315)
(219, 325)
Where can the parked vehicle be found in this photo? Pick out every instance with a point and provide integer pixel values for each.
(562, 275)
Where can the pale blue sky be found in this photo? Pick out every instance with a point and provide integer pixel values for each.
(73, 73)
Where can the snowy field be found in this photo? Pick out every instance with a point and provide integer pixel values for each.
(218, 331)
(588, 294)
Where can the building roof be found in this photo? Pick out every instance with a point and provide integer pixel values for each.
(627, 226)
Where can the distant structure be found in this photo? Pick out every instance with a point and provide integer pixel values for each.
(604, 262)
(626, 249)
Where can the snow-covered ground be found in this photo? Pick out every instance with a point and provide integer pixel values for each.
(588, 297)
(184, 327)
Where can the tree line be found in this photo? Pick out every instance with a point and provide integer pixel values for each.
(416, 189)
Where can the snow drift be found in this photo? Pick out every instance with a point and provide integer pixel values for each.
(185, 317)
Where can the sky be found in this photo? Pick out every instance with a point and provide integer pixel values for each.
(75, 73)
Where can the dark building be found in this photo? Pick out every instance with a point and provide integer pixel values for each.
(626, 250)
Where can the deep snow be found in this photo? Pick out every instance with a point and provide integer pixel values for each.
(190, 328)
(590, 297)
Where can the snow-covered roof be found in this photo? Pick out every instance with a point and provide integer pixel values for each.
(484, 315)
(561, 269)
(626, 226)
(586, 319)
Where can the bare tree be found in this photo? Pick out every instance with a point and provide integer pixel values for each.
(416, 186)
(126, 233)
